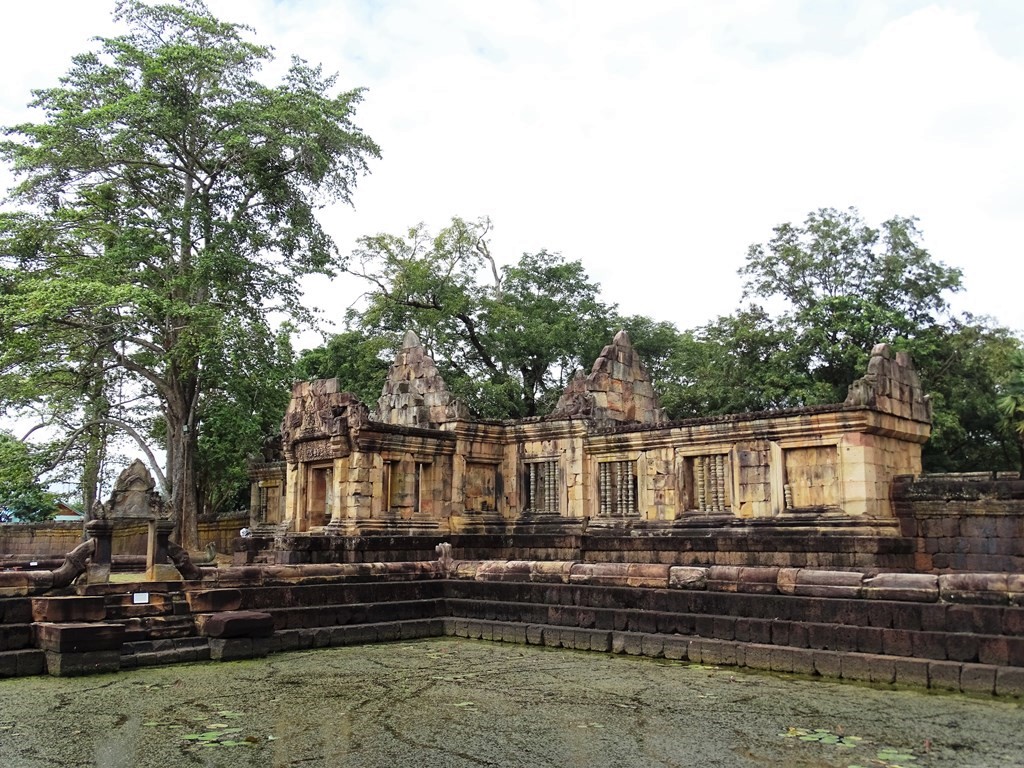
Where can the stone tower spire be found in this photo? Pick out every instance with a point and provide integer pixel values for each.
(414, 394)
(618, 388)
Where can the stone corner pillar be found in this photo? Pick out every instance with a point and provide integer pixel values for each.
(102, 531)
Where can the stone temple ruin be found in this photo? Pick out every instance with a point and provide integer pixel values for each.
(605, 458)
(801, 540)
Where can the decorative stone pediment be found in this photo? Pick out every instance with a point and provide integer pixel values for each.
(618, 389)
(321, 421)
(134, 495)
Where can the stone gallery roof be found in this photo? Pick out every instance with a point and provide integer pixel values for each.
(616, 395)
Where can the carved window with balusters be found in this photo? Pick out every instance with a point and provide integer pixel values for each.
(709, 483)
(541, 486)
(617, 488)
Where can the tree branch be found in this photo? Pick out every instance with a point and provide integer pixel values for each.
(125, 427)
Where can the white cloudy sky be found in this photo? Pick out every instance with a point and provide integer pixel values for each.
(652, 140)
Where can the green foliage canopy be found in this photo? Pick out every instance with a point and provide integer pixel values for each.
(22, 498)
(506, 340)
(168, 201)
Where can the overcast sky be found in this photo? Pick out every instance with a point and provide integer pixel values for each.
(653, 141)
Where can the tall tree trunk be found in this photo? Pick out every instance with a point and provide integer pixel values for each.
(184, 492)
(92, 463)
(97, 408)
(181, 457)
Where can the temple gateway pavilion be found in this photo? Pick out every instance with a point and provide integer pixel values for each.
(606, 457)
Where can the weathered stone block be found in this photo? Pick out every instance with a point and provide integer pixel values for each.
(757, 656)
(897, 642)
(653, 646)
(78, 637)
(803, 661)
(73, 608)
(650, 575)
(929, 645)
(915, 587)
(821, 636)
(676, 648)
(232, 648)
(8, 664)
(846, 637)
(856, 666)
(755, 630)
(820, 583)
(755, 580)
(632, 644)
(214, 600)
(978, 678)
(994, 650)
(780, 632)
(14, 637)
(828, 663)
(557, 572)
(785, 580)
(600, 641)
(14, 584)
(683, 577)
(718, 652)
(961, 647)
(1010, 681)
(869, 640)
(991, 588)
(944, 675)
(237, 624)
(94, 662)
(781, 659)
(911, 672)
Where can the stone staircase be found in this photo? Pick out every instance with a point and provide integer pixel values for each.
(18, 656)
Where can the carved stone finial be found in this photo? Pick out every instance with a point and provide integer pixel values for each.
(134, 495)
(444, 559)
(410, 340)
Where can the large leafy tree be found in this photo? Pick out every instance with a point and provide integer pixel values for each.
(22, 498)
(745, 361)
(358, 359)
(249, 388)
(506, 339)
(842, 286)
(168, 202)
(846, 286)
(1011, 403)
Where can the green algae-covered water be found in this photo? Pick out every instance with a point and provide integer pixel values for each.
(448, 702)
